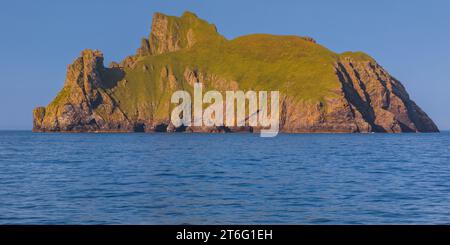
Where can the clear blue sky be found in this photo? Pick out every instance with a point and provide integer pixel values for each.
(411, 39)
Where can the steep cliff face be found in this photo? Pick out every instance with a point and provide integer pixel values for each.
(380, 99)
(171, 34)
(321, 91)
(84, 104)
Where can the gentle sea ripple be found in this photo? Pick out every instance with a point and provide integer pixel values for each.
(224, 178)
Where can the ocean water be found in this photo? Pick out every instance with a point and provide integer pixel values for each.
(224, 178)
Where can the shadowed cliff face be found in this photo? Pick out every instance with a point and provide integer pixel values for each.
(321, 91)
(379, 99)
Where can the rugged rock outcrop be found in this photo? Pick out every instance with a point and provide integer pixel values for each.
(84, 104)
(321, 91)
(379, 99)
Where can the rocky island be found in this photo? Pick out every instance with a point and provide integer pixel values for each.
(321, 91)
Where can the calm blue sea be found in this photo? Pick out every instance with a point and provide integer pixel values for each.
(224, 178)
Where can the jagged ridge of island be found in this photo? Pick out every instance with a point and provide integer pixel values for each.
(321, 91)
